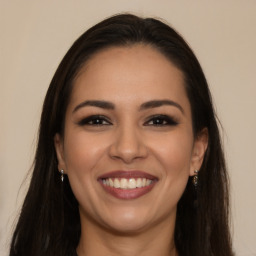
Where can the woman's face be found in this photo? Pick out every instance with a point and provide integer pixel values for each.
(128, 147)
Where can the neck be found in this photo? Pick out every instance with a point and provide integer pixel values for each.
(96, 240)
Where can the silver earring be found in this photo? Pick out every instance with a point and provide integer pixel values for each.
(62, 175)
(195, 178)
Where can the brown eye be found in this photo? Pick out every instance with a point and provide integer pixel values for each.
(96, 120)
(161, 120)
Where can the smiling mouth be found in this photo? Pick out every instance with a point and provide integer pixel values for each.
(130, 183)
(127, 184)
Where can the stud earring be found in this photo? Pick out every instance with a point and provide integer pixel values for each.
(195, 178)
(62, 175)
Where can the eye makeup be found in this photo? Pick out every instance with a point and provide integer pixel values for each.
(94, 120)
(161, 120)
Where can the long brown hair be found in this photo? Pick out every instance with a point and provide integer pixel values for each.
(49, 222)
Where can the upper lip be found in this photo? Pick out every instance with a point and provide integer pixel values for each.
(127, 175)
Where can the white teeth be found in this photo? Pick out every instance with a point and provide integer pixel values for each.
(123, 183)
(139, 183)
(127, 183)
(148, 182)
(111, 183)
(131, 183)
(116, 183)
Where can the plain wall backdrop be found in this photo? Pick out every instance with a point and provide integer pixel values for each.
(34, 37)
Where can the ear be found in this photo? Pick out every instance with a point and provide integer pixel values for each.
(199, 149)
(59, 148)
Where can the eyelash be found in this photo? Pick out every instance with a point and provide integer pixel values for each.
(156, 120)
(161, 120)
(96, 120)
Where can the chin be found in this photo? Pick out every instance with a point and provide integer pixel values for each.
(127, 221)
(128, 228)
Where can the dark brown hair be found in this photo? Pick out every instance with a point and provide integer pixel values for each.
(49, 222)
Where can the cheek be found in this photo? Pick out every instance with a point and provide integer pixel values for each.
(174, 153)
(83, 158)
(82, 152)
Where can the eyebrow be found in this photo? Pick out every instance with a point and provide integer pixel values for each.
(159, 103)
(95, 103)
(144, 106)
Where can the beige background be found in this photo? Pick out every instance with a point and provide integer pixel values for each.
(36, 34)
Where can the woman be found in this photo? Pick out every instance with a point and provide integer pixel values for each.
(129, 159)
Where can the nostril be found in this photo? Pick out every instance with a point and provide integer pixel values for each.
(127, 149)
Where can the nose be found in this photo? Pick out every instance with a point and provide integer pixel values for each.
(128, 145)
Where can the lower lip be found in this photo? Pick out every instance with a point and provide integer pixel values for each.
(128, 194)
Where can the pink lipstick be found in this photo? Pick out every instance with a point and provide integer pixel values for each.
(127, 184)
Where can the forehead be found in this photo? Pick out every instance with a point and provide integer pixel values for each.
(127, 73)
